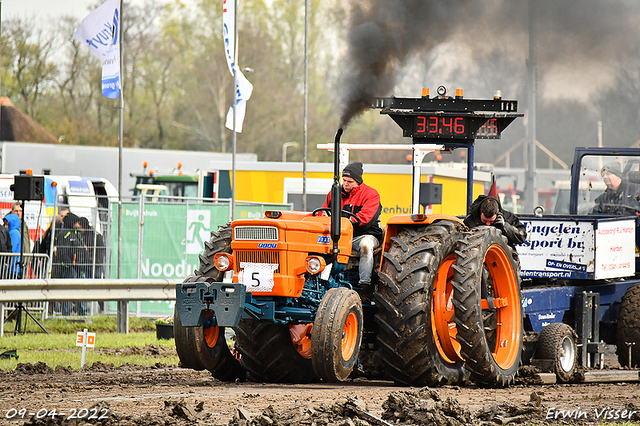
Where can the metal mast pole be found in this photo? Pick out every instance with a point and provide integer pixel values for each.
(123, 305)
(530, 178)
(235, 108)
(306, 100)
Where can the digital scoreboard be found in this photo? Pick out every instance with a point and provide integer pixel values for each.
(436, 120)
(452, 127)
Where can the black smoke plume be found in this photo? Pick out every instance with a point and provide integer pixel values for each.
(576, 40)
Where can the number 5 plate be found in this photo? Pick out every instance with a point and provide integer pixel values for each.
(258, 277)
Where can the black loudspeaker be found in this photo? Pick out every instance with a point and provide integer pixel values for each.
(26, 187)
(430, 193)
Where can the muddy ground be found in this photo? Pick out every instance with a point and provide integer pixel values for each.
(170, 395)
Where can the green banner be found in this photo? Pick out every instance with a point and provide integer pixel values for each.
(173, 235)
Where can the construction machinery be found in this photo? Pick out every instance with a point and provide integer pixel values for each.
(445, 304)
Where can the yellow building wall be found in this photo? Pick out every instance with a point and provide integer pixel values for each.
(395, 190)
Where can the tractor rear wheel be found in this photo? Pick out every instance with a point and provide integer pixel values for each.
(415, 311)
(337, 334)
(557, 342)
(269, 354)
(489, 328)
(220, 242)
(628, 328)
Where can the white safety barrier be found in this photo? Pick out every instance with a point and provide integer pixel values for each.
(38, 292)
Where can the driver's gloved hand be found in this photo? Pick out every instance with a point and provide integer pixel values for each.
(499, 221)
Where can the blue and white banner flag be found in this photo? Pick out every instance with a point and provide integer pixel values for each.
(244, 89)
(100, 32)
(229, 32)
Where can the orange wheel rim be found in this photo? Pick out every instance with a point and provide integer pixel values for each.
(301, 338)
(508, 309)
(442, 325)
(349, 336)
(211, 335)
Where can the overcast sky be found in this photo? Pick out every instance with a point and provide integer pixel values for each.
(48, 9)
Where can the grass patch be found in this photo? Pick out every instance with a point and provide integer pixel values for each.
(59, 347)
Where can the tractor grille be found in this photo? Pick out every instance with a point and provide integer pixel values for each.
(254, 233)
(251, 256)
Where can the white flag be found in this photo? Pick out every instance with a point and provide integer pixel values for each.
(100, 32)
(229, 32)
(244, 89)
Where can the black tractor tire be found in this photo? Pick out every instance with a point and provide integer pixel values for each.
(628, 327)
(197, 347)
(268, 354)
(185, 344)
(203, 348)
(557, 342)
(408, 347)
(220, 242)
(491, 356)
(336, 335)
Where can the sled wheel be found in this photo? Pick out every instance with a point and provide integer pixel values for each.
(415, 306)
(337, 334)
(492, 351)
(268, 353)
(628, 328)
(557, 342)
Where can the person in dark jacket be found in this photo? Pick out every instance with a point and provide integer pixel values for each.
(621, 196)
(487, 210)
(364, 202)
(70, 254)
(94, 242)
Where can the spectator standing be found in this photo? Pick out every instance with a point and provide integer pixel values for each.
(43, 246)
(16, 208)
(69, 254)
(13, 223)
(5, 247)
(96, 249)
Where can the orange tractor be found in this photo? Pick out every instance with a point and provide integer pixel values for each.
(283, 289)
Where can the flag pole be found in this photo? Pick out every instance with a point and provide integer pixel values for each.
(235, 108)
(123, 305)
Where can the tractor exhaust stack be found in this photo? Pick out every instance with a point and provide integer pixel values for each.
(336, 194)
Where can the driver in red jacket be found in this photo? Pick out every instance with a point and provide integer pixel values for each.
(364, 202)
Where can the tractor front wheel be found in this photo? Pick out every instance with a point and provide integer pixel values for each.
(205, 347)
(337, 334)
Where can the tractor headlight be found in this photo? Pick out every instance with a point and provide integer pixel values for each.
(315, 264)
(223, 261)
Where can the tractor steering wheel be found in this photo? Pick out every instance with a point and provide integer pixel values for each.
(343, 212)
